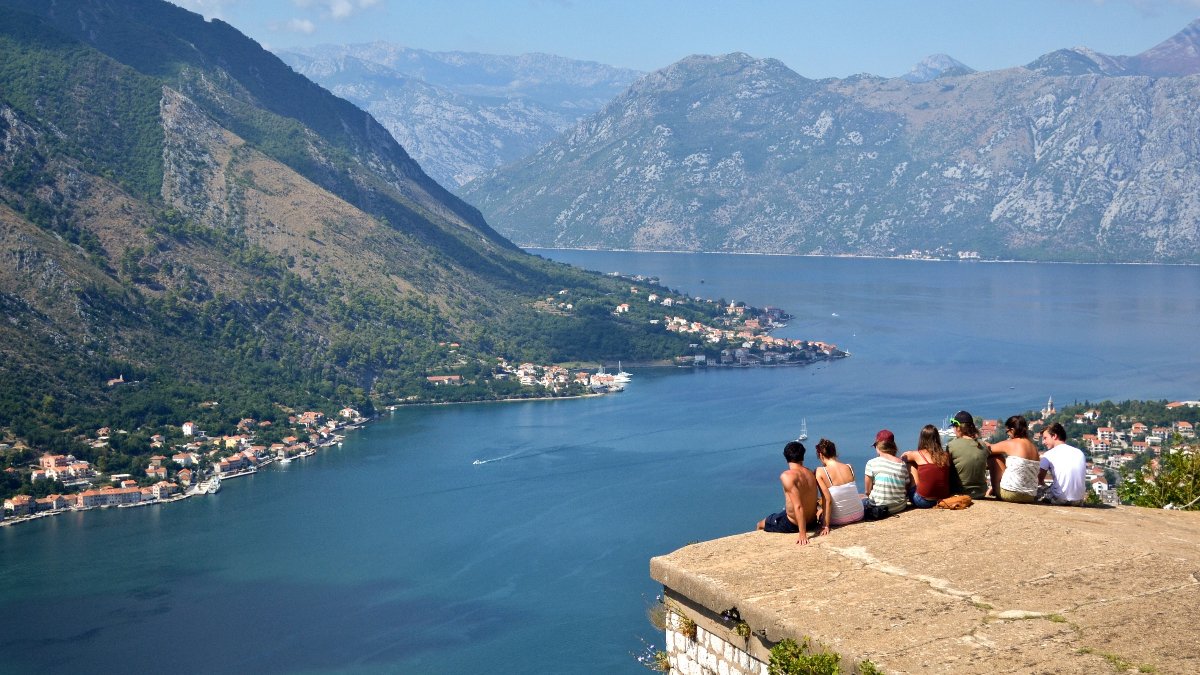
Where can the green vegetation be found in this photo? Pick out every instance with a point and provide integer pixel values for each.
(790, 658)
(108, 113)
(1176, 482)
(188, 309)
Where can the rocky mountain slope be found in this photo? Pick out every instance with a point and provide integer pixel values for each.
(180, 209)
(932, 67)
(459, 113)
(733, 153)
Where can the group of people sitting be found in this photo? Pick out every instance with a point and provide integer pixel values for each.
(829, 496)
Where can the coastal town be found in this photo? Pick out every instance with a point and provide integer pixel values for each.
(196, 465)
(169, 463)
(727, 333)
(718, 334)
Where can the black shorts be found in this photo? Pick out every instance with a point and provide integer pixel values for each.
(778, 522)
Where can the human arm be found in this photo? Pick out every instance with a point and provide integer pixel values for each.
(827, 511)
(868, 483)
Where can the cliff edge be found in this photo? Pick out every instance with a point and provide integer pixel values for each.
(995, 588)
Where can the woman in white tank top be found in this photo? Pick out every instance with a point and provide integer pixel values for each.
(1014, 464)
(845, 505)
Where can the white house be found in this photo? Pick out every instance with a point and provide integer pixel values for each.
(189, 428)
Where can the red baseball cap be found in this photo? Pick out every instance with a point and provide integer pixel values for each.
(882, 436)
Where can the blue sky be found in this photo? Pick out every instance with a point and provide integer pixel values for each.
(816, 39)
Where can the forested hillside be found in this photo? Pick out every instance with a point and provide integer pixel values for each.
(182, 211)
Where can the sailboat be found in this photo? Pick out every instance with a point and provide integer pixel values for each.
(621, 375)
(803, 430)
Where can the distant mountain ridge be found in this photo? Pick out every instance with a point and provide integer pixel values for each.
(1177, 56)
(732, 153)
(461, 113)
(933, 66)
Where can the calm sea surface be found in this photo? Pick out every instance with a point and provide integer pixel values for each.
(397, 554)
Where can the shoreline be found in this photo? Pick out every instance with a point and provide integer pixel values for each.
(528, 249)
(192, 489)
(494, 400)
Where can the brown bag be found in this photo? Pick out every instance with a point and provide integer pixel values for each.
(955, 503)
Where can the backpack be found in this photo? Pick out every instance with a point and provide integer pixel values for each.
(873, 511)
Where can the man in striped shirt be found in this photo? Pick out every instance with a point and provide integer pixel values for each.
(887, 476)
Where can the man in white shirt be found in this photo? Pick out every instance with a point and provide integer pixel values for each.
(1069, 467)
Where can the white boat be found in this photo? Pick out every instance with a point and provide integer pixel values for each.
(621, 375)
(803, 430)
(946, 432)
(214, 485)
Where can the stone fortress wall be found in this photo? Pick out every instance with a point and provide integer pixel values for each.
(997, 587)
(716, 649)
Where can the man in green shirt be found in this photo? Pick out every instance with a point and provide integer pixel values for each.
(969, 456)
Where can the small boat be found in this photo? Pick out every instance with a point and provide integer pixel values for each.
(214, 485)
(803, 430)
(621, 375)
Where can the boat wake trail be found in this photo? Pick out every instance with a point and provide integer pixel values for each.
(494, 459)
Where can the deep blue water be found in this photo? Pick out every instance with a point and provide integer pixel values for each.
(396, 554)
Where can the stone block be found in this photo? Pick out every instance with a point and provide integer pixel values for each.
(722, 668)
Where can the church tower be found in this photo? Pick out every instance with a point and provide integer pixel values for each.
(1049, 409)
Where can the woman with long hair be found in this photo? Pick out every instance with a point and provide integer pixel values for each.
(930, 467)
(845, 506)
(1014, 464)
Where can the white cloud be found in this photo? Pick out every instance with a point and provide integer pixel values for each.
(337, 9)
(209, 9)
(293, 25)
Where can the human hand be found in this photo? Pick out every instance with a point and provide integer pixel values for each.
(803, 540)
(824, 531)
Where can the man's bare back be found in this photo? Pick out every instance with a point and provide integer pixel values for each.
(800, 491)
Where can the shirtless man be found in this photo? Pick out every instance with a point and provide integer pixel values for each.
(800, 490)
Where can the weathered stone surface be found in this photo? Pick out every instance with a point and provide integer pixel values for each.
(995, 588)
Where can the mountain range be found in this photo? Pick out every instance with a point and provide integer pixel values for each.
(1077, 156)
(461, 113)
(185, 220)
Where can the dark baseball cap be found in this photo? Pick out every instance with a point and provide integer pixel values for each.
(962, 417)
(884, 435)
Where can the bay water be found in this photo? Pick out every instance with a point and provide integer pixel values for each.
(398, 553)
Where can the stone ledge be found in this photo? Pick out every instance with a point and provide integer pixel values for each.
(995, 588)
